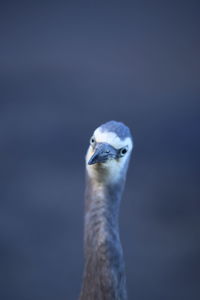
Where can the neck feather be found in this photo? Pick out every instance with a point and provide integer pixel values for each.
(104, 276)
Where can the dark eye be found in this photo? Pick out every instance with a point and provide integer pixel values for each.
(123, 151)
(92, 141)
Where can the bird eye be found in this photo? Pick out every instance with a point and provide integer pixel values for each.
(123, 151)
(92, 141)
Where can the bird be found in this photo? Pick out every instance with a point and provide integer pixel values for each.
(107, 161)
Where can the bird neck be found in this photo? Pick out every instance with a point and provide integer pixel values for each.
(104, 276)
(101, 212)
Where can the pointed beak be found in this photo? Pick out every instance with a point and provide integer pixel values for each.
(102, 153)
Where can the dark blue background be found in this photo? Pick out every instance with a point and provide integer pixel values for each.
(65, 68)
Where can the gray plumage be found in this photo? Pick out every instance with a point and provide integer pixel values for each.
(119, 128)
(104, 272)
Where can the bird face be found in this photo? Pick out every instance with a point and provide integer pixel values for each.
(109, 150)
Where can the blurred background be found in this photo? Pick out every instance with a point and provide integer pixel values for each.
(65, 68)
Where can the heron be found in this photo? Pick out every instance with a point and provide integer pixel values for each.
(107, 161)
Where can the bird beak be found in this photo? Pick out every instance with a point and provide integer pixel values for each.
(102, 153)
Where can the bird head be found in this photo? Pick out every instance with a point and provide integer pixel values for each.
(109, 151)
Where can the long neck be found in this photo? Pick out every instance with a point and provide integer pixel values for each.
(104, 276)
